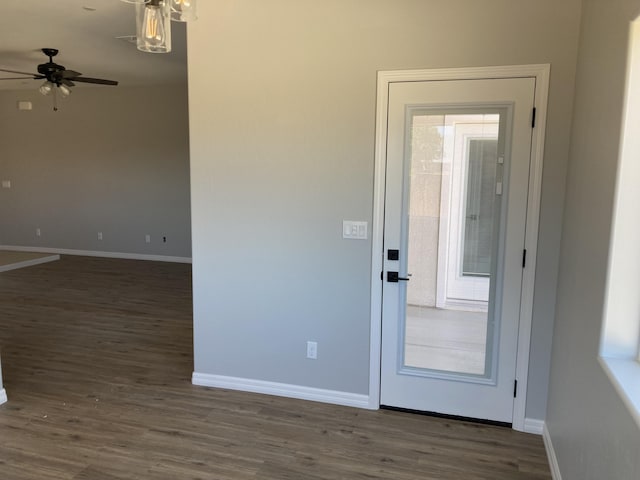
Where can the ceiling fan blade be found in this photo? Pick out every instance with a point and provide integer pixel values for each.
(99, 81)
(17, 78)
(33, 75)
(69, 74)
(67, 82)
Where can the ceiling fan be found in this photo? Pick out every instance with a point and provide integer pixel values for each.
(56, 75)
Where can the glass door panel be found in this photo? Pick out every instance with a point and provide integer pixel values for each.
(454, 177)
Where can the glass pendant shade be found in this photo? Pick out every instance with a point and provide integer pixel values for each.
(64, 90)
(153, 26)
(135, 1)
(46, 88)
(183, 10)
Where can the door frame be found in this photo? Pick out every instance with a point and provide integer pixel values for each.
(457, 176)
(541, 74)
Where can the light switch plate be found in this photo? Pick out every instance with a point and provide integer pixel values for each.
(354, 230)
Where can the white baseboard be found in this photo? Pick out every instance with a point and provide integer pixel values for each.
(533, 425)
(3, 396)
(281, 390)
(90, 253)
(29, 263)
(551, 454)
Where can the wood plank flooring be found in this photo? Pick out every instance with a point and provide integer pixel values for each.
(97, 358)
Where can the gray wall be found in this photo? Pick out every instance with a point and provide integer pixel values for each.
(282, 108)
(594, 435)
(114, 160)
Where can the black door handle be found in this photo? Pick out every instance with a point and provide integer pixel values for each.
(392, 277)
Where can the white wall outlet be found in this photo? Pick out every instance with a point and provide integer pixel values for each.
(312, 350)
(38, 232)
(354, 230)
(99, 235)
(6, 183)
(147, 238)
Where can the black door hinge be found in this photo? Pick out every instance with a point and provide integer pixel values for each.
(515, 388)
(524, 258)
(533, 118)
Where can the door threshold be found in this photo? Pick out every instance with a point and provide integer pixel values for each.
(449, 417)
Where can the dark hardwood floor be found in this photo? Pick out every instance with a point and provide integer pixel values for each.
(97, 359)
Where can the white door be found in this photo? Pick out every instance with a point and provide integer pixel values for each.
(458, 156)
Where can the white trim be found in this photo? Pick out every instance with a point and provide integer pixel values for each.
(541, 75)
(91, 253)
(624, 374)
(28, 263)
(281, 390)
(551, 454)
(3, 396)
(531, 243)
(534, 426)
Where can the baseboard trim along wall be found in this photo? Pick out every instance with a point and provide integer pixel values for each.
(281, 390)
(29, 263)
(533, 425)
(551, 454)
(3, 396)
(90, 253)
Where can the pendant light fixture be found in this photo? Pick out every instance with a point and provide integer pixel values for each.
(183, 10)
(153, 26)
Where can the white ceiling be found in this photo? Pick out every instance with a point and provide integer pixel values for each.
(87, 43)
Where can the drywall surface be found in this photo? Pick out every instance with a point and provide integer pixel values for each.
(593, 433)
(282, 100)
(112, 160)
